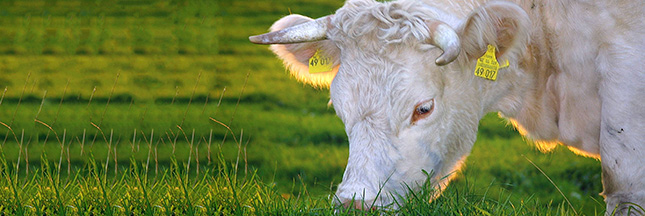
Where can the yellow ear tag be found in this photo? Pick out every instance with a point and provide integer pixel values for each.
(320, 63)
(487, 65)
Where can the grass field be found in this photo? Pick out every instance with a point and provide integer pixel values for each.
(164, 107)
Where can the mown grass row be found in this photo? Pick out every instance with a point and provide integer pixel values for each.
(108, 27)
(149, 78)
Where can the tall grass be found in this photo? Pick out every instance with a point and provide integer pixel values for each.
(132, 188)
(101, 183)
(218, 189)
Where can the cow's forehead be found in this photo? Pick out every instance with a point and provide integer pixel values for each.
(385, 66)
(382, 89)
(385, 22)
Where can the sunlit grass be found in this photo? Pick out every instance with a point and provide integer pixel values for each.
(102, 186)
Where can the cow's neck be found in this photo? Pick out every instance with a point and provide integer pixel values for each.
(543, 107)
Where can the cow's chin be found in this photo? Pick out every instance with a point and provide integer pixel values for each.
(367, 199)
(387, 196)
(405, 179)
(390, 195)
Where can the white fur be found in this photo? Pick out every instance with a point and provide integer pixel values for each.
(576, 77)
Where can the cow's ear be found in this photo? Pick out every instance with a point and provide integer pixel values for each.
(501, 24)
(296, 56)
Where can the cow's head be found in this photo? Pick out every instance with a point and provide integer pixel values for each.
(403, 84)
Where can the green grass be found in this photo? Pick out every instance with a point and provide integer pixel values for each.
(222, 189)
(132, 90)
(134, 178)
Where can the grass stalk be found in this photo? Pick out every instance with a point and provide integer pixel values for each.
(554, 185)
(156, 161)
(197, 154)
(107, 104)
(116, 161)
(239, 151)
(24, 87)
(199, 77)
(152, 133)
(236, 106)
(60, 104)
(203, 108)
(13, 117)
(175, 96)
(219, 102)
(69, 163)
(60, 156)
(22, 135)
(26, 157)
(246, 162)
(190, 153)
(5, 92)
(134, 138)
(210, 138)
(107, 158)
(90, 100)
(83, 143)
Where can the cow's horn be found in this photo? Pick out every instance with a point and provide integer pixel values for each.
(444, 37)
(306, 32)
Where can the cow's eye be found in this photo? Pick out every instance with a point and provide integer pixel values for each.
(422, 110)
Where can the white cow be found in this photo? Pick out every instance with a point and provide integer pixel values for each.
(403, 82)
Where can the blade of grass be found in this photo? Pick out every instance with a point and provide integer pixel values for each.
(552, 183)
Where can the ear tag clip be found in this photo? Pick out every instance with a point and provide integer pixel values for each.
(320, 63)
(487, 65)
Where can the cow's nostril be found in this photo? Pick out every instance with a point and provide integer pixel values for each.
(365, 205)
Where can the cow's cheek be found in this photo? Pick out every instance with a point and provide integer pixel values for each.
(418, 155)
(367, 169)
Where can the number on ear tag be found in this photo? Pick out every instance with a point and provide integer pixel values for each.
(320, 63)
(487, 65)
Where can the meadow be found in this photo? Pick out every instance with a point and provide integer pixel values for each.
(164, 107)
